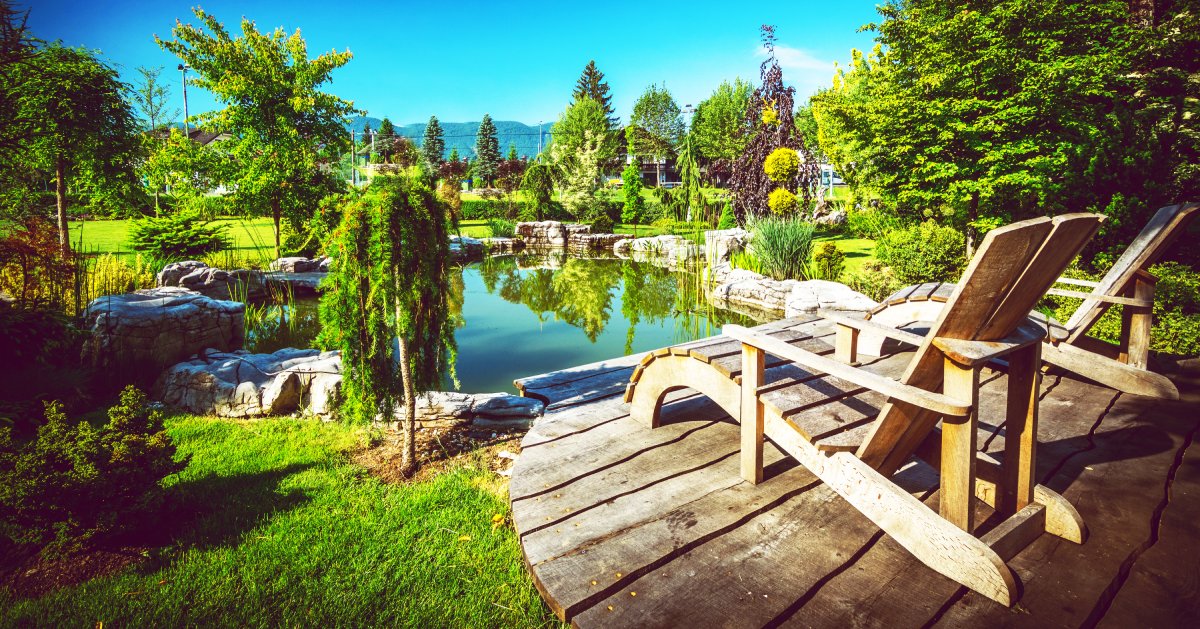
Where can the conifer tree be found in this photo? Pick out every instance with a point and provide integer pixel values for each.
(591, 84)
(434, 143)
(384, 140)
(487, 150)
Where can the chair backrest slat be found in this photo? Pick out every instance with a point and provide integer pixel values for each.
(1011, 270)
(1164, 227)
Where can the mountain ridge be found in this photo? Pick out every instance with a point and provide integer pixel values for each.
(461, 135)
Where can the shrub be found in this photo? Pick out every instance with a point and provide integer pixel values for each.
(783, 247)
(746, 260)
(74, 484)
(634, 207)
(873, 223)
(602, 224)
(33, 269)
(782, 164)
(927, 252)
(875, 281)
(728, 219)
(828, 263)
(782, 201)
(180, 236)
(502, 227)
(41, 350)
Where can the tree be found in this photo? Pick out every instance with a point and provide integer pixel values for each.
(487, 150)
(184, 166)
(451, 173)
(384, 141)
(655, 128)
(366, 135)
(434, 143)
(151, 97)
(509, 175)
(538, 185)
(631, 185)
(591, 84)
(388, 285)
(580, 144)
(82, 128)
(719, 124)
(283, 125)
(17, 47)
(771, 127)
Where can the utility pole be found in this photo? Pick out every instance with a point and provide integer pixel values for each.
(353, 161)
(539, 138)
(184, 68)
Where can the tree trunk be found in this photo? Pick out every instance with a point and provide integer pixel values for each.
(657, 173)
(275, 216)
(408, 456)
(972, 215)
(60, 193)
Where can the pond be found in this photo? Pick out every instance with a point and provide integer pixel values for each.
(525, 315)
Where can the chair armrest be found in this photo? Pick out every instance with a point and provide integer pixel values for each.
(972, 353)
(935, 402)
(864, 325)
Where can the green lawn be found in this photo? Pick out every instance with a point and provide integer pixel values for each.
(252, 238)
(858, 251)
(271, 525)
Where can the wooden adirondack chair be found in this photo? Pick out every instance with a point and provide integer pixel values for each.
(1128, 283)
(985, 318)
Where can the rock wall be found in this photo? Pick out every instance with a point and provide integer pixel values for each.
(215, 283)
(550, 234)
(138, 334)
(790, 297)
(594, 243)
(668, 250)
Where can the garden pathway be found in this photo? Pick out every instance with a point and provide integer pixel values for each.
(626, 526)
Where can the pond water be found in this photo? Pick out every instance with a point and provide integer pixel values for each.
(526, 315)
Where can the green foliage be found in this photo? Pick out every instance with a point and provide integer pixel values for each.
(782, 165)
(77, 125)
(153, 98)
(73, 484)
(41, 350)
(719, 123)
(926, 252)
(728, 219)
(433, 143)
(34, 271)
(487, 150)
(656, 126)
(179, 236)
(538, 186)
(875, 281)
(602, 223)
(184, 167)
(828, 262)
(282, 125)
(581, 146)
(783, 247)
(502, 227)
(634, 207)
(781, 201)
(591, 84)
(873, 223)
(388, 282)
(746, 260)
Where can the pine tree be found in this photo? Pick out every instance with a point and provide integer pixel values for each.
(487, 150)
(591, 84)
(434, 143)
(512, 151)
(384, 140)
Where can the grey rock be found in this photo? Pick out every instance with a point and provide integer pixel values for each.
(808, 297)
(834, 218)
(721, 244)
(587, 243)
(148, 330)
(549, 234)
(296, 265)
(667, 250)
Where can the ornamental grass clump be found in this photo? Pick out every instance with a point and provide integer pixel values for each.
(783, 247)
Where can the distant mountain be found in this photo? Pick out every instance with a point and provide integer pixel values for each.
(461, 135)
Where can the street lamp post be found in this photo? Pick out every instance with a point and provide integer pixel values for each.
(184, 68)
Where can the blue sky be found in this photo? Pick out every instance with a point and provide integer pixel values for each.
(515, 60)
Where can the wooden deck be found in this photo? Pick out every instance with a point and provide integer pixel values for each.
(624, 526)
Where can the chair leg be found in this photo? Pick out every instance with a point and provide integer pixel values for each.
(1136, 322)
(1020, 430)
(753, 364)
(958, 448)
(846, 348)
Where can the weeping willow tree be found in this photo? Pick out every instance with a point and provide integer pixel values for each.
(386, 301)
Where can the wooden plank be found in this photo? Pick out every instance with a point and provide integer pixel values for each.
(1109, 372)
(1109, 299)
(977, 353)
(731, 366)
(732, 347)
(751, 415)
(935, 401)
(1021, 420)
(1017, 532)
(956, 505)
(1135, 328)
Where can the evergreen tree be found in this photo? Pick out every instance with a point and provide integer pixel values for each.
(434, 143)
(591, 84)
(487, 150)
(384, 140)
(366, 134)
(512, 151)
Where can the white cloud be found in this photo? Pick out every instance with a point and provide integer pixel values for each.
(801, 69)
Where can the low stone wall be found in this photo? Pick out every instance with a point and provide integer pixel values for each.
(503, 245)
(136, 335)
(790, 297)
(550, 234)
(307, 382)
(594, 243)
(674, 252)
(465, 248)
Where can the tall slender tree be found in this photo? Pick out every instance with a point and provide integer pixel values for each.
(591, 84)
(385, 140)
(152, 96)
(434, 144)
(282, 124)
(83, 127)
(487, 150)
(387, 286)
(656, 127)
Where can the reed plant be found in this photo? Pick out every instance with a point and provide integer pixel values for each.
(783, 247)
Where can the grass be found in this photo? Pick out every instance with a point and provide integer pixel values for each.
(251, 237)
(859, 251)
(273, 526)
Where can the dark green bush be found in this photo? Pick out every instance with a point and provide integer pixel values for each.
(602, 224)
(927, 252)
(73, 484)
(828, 262)
(875, 281)
(728, 219)
(41, 350)
(179, 236)
(502, 227)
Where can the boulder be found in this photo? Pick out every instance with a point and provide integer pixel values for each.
(215, 283)
(296, 265)
(173, 272)
(832, 219)
(138, 334)
(721, 244)
(240, 384)
(438, 409)
(667, 250)
(590, 243)
(465, 248)
(808, 297)
(552, 234)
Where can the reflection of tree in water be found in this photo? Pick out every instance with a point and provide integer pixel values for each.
(457, 296)
(586, 291)
(649, 292)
